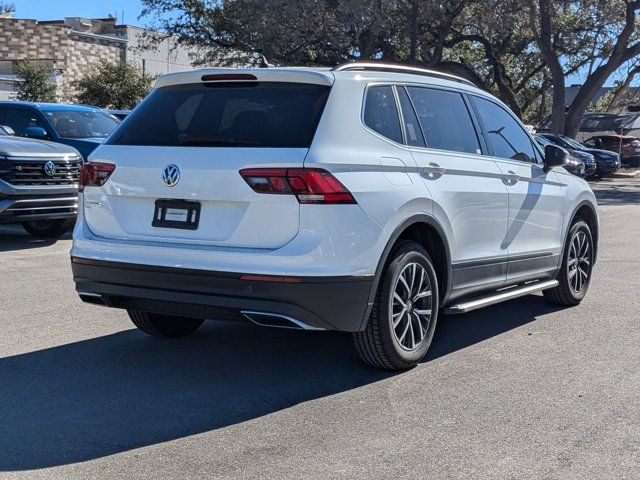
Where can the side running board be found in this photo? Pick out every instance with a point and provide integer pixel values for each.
(500, 297)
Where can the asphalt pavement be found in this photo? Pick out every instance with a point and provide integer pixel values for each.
(515, 391)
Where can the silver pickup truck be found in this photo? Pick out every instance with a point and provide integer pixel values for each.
(38, 184)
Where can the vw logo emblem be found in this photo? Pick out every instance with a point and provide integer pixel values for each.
(50, 168)
(171, 175)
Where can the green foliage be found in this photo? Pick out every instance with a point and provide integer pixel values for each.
(603, 103)
(7, 8)
(36, 83)
(117, 85)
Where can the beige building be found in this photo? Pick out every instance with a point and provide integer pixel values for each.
(73, 45)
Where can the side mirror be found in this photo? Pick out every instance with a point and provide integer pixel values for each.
(554, 156)
(36, 132)
(8, 129)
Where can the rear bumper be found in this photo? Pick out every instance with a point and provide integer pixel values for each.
(327, 303)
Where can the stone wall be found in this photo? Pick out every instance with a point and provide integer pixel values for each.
(72, 53)
(84, 52)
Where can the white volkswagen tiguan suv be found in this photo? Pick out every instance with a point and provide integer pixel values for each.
(368, 199)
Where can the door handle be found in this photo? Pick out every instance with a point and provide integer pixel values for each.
(434, 169)
(511, 176)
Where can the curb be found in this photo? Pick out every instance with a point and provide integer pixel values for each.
(633, 174)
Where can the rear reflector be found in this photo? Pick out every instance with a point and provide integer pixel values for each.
(225, 77)
(309, 185)
(95, 174)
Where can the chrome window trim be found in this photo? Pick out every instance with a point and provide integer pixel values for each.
(408, 147)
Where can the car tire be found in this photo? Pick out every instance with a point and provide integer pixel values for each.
(46, 228)
(576, 269)
(405, 311)
(167, 326)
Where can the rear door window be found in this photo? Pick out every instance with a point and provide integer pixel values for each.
(445, 120)
(381, 113)
(505, 136)
(412, 128)
(241, 114)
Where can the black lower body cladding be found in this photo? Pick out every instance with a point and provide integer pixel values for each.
(331, 303)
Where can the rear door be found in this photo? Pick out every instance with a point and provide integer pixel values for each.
(536, 199)
(465, 185)
(182, 149)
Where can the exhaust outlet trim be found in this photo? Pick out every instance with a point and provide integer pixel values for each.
(277, 320)
(93, 299)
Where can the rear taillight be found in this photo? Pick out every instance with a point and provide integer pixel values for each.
(309, 185)
(95, 174)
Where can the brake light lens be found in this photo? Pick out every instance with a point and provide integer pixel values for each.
(309, 185)
(95, 174)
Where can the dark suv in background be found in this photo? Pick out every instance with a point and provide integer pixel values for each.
(80, 126)
(581, 165)
(607, 162)
(38, 184)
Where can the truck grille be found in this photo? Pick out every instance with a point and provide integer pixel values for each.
(22, 171)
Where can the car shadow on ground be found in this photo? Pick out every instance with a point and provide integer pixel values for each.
(13, 237)
(97, 397)
(609, 193)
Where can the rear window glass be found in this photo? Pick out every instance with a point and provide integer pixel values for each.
(243, 114)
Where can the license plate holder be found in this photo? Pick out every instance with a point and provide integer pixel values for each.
(182, 214)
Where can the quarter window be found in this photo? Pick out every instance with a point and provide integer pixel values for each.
(381, 113)
(505, 136)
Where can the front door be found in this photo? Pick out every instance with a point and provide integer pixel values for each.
(536, 201)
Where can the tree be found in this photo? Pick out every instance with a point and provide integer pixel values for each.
(35, 82)
(600, 34)
(463, 37)
(117, 85)
(7, 9)
(518, 51)
(620, 97)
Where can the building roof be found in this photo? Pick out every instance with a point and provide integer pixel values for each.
(610, 122)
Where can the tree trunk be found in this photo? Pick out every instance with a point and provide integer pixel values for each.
(621, 53)
(413, 52)
(544, 39)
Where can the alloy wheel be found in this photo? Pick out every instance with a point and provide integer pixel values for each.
(411, 306)
(579, 262)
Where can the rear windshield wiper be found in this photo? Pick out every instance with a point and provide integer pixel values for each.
(214, 141)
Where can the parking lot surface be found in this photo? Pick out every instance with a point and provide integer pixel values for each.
(519, 390)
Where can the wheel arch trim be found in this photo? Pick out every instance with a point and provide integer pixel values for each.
(398, 231)
(594, 235)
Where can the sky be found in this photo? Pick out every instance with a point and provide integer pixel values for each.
(58, 9)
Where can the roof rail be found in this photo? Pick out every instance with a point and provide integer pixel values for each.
(390, 67)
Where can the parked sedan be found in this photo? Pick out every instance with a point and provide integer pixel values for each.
(607, 162)
(574, 164)
(627, 147)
